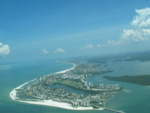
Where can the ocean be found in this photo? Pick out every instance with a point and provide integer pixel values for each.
(132, 99)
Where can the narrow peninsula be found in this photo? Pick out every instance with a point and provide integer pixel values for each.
(67, 89)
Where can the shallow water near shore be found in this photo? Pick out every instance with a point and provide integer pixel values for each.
(132, 99)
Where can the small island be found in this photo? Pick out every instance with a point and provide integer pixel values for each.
(140, 79)
(68, 89)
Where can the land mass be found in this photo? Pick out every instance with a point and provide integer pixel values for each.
(140, 79)
(69, 88)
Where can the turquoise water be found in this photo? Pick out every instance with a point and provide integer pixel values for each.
(133, 99)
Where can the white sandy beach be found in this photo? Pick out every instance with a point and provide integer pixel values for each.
(58, 104)
(64, 71)
(13, 95)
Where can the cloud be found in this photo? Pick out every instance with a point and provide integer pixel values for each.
(88, 46)
(60, 50)
(135, 35)
(142, 19)
(139, 32)
(4, 49)
(99, 45)
(140, 27)
(45, 51)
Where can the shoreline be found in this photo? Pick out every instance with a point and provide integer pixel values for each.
(13, 96)
(64, 71)
(52, 103)
(13, 93)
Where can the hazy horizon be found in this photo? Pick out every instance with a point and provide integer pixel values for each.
(66, 28)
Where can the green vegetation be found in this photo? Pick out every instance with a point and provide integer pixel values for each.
(72, 83)
(141, 79)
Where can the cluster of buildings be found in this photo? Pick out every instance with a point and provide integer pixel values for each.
(50, 87)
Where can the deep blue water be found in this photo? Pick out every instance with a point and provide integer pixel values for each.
(133, 99)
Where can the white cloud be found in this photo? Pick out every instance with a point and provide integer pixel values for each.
(134, 35)
(111, 42)
(60, 50)
(142, 19)
(140, 29)
(4, 49)
(88, 46)
(45, 51)
(99, 45)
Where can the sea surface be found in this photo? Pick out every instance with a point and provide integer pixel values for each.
(132, 99)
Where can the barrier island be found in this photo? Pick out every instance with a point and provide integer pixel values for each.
(67, 89)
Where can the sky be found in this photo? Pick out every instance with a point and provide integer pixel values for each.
(41, 29)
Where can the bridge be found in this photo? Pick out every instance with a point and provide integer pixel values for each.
(116, 111)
